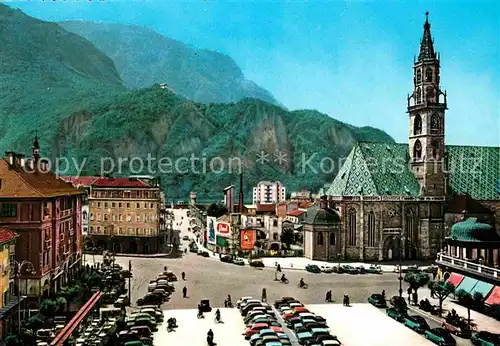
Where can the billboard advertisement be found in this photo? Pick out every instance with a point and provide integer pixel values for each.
(247, 239)
(211, 224)
(223, 229)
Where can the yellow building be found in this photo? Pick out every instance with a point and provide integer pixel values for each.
(7, 252)
(125, 215)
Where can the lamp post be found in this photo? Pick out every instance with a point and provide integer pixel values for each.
(31, 271)
(400, 278)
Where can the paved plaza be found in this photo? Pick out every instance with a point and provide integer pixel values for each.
(192, 331)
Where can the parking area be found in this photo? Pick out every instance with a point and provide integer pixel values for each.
(193, 331)
(363, 324)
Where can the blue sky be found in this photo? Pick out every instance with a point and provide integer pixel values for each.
(351, 60)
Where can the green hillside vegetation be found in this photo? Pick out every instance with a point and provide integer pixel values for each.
(61, 85)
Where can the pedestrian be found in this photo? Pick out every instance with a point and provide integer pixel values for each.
(183, 276)
(184, 292)
(210, 338)
(383, 294)
(278, 268)
(409, 295)
(432, 292)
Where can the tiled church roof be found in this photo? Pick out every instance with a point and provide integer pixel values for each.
(381, 169)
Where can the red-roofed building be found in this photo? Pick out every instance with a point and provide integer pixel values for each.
(125, 215)
(296, 216)
(46, 214)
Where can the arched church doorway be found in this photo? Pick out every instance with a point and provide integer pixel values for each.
(391, 249)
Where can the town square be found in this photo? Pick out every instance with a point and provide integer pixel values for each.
(152, 193)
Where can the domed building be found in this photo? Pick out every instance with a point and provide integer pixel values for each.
(322, 234)
(474, 241)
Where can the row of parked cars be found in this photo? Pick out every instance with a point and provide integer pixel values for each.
(261, 323)
(441, 336)
(345, 268)
(159, 289)
(309, 329)
(140, 326)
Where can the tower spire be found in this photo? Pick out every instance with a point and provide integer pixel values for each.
(36, 148)
(426, 45)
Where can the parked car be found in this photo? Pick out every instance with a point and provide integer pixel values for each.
(374, 269)
(254, 329)
(458, 327)
(326, 269)
(257, 264)
(396, 314)
(348, 269)
(149, 299)
(377, 300)
(203, 253)
(417, 323)
(485, 339)
(313, 268)
(440, 336)
(283, 300)
(193, 249)
(226, 258)
(185, 237)
(303, 337)
(239, 261)
(411, 269)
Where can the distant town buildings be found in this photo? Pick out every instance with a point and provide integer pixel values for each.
(8, 298)
(268, 192)
(229, 198)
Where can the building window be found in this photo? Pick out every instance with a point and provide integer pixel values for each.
(138, 218)
(120, 217)
(128, 205)
(435, 123)
(419, 76)
(319, 239)
(112, 204)
(417, 125)
(151, 206)
(418, 96)
(428, 75)
(105, 204)
(98, 204)
(410, 224)
(137, 205)
(120, 205)
(8, 210)
(332, 238)
(275, 223)
(352, 227)
(98, 217)
(372, 234)
(91, 217)
(434, 150)
(417, 150)
(105, 217)
(145, 206)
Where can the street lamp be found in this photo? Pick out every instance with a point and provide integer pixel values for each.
(31, 271)
(400, 278)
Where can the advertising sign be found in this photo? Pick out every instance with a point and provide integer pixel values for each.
(211, 223)
(247, 239)
(223, 229)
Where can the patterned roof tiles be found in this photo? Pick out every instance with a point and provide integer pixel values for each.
(381, 169)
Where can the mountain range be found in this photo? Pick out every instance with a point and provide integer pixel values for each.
(98, 92)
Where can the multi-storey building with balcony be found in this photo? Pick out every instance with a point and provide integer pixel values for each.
(46, 214)
(268, 192)
(125, 215)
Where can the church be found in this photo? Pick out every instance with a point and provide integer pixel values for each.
(398, 201)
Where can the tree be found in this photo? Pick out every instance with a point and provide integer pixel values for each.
(441, 289)
(465, 298)
(35, 323)
(216, 210)
(61, 304)
(288, 237)
(12, 340)
(416, 281)
(48, 308)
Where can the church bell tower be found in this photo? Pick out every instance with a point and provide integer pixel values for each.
(426, 110)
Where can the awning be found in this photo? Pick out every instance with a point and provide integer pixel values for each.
(221, 241)
(10, 305)
(467, 284)
(494, 297)
(455, 279)
(482, 287)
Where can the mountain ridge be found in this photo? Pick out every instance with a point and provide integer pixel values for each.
(86, 114)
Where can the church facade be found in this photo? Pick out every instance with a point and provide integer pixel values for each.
(399, 201)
